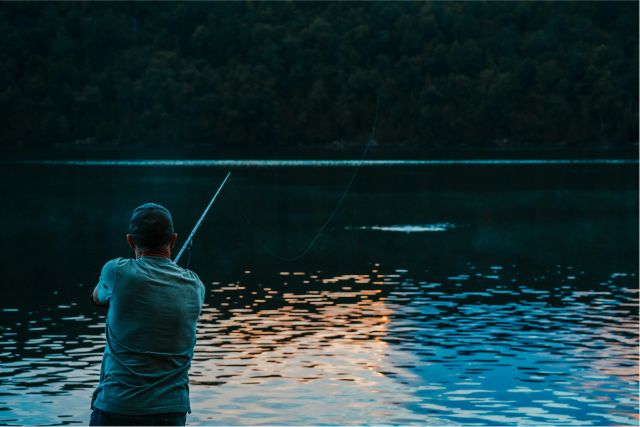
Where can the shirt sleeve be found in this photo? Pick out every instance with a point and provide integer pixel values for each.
(107, 282)
(200, 286)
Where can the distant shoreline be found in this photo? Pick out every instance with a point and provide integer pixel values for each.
(199, 156)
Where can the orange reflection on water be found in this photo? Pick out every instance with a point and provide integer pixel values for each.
(334, 341)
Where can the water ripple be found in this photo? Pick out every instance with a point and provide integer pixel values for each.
(480, 345)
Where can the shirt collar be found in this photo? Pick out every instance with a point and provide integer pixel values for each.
(154, 258)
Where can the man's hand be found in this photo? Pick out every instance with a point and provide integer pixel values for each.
(95, 300)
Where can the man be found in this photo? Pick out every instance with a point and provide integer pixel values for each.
(150, 328)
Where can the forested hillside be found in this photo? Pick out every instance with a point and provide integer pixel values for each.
(309, 73)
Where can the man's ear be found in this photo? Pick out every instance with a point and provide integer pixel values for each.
(131, 242)
(173, 240)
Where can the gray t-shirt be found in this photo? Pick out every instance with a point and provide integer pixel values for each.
(150, 336)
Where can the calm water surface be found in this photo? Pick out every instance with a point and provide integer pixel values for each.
(441, 295)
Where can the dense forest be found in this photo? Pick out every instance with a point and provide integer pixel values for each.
(309, 73)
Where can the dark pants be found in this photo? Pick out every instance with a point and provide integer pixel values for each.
(104, 418)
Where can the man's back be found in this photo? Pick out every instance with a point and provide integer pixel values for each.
(150, 334)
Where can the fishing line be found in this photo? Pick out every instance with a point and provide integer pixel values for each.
(375, 122)
(189, 250)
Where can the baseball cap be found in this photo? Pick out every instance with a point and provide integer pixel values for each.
(151, 225)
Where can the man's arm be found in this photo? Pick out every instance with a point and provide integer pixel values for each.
(101, 295)
(95, 300)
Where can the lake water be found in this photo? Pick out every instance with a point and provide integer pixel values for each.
(441, 293)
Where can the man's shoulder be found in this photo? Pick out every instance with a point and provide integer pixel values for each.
(189, 274)
(120, 260)
(117, 262)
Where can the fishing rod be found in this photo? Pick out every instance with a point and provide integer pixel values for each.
(187, 244)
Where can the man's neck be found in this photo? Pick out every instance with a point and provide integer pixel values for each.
(164, 253)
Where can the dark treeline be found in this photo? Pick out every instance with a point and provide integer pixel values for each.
(309, 73)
